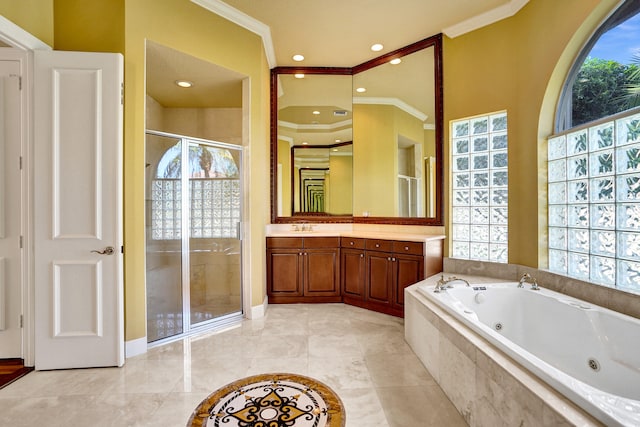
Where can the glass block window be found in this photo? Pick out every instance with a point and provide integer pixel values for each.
(594, 203)
(214, 194)
(214, 213)
(480, 188)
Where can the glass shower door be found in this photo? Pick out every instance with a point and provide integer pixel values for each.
(164, 237)
(214, 244)
(193, 208)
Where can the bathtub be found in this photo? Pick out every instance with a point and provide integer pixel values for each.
(588, 353)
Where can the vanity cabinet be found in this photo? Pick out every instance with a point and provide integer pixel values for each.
(391, 266)
(368, 273)
(352, 261)
(303, 269)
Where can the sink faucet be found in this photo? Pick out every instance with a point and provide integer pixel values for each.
(302, 227)
(444, 284)
(526, 278)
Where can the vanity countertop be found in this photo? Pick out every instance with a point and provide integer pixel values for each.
(411, 237)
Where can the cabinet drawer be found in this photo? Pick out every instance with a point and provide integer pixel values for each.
(413, 248)
(284, 242)
(322, 242)
(379, 245)
(352, 242)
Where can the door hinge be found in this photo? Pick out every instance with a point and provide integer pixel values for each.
(21, 242)
(20, 162)
(122, 249)
(122, 93)
(21, 321)
(19, 80)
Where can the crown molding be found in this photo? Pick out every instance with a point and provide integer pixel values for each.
(232, 14)
(286, 139)
(392, 101)
(484, 19)
(330, 126)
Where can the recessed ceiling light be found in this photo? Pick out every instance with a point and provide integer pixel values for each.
(305, 143)
(361, 90)
(377, 47)
(395, 61)
(335, 149)
(299, 76)
(338, 140)
(298, 58)
(184, 83)
(316, 112)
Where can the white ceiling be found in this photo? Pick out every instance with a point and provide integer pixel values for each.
(327, 32)
(341, 32)
(214, 86)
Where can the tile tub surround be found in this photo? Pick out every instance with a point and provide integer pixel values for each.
(360, 354)
(487, 387)
(613, 299)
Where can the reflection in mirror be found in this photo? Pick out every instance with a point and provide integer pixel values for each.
(322, 179)
(314, 121)
(394, 134)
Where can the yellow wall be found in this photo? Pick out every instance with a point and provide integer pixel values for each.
(340, 193)
(374, 165)
(376, 129)
(33, 16)
(199, 33)
(508, 66)
(284, 158)
(97, 28)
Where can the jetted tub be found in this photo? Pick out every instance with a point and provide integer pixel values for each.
(588, 353)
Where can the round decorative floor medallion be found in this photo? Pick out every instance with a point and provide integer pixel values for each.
(271, 400)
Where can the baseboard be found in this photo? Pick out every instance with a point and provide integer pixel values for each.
(135, 347)
(259, 311)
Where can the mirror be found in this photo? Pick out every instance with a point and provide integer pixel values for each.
(314, 124)
(322, 179)
(395, 126)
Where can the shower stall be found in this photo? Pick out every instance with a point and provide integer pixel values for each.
(193, 234)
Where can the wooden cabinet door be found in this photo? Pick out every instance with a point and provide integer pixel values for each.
(408, 269)
(321, 272)
(379, 275)
(353, 268)
(284, 272)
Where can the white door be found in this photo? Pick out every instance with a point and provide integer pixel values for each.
(78, 210)
(10, 211)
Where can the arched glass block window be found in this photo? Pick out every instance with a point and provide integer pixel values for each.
(204, 162)
(213, 196)
(594, 160)
(605, 78)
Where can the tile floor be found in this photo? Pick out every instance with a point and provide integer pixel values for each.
(360, 354)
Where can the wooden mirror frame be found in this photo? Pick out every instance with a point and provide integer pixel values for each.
(438, 219)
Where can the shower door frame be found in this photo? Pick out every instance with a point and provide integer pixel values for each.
(222, 321)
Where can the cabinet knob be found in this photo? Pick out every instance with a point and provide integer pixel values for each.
(406, 248)
(300, 254)
(377, 245)
(351, 243)
(361, 255)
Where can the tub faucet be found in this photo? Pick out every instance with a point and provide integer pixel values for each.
(444, 284)
(526, 278)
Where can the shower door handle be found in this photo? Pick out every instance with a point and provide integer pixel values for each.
(109, 250)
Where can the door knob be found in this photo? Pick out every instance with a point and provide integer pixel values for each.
(109, 250)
